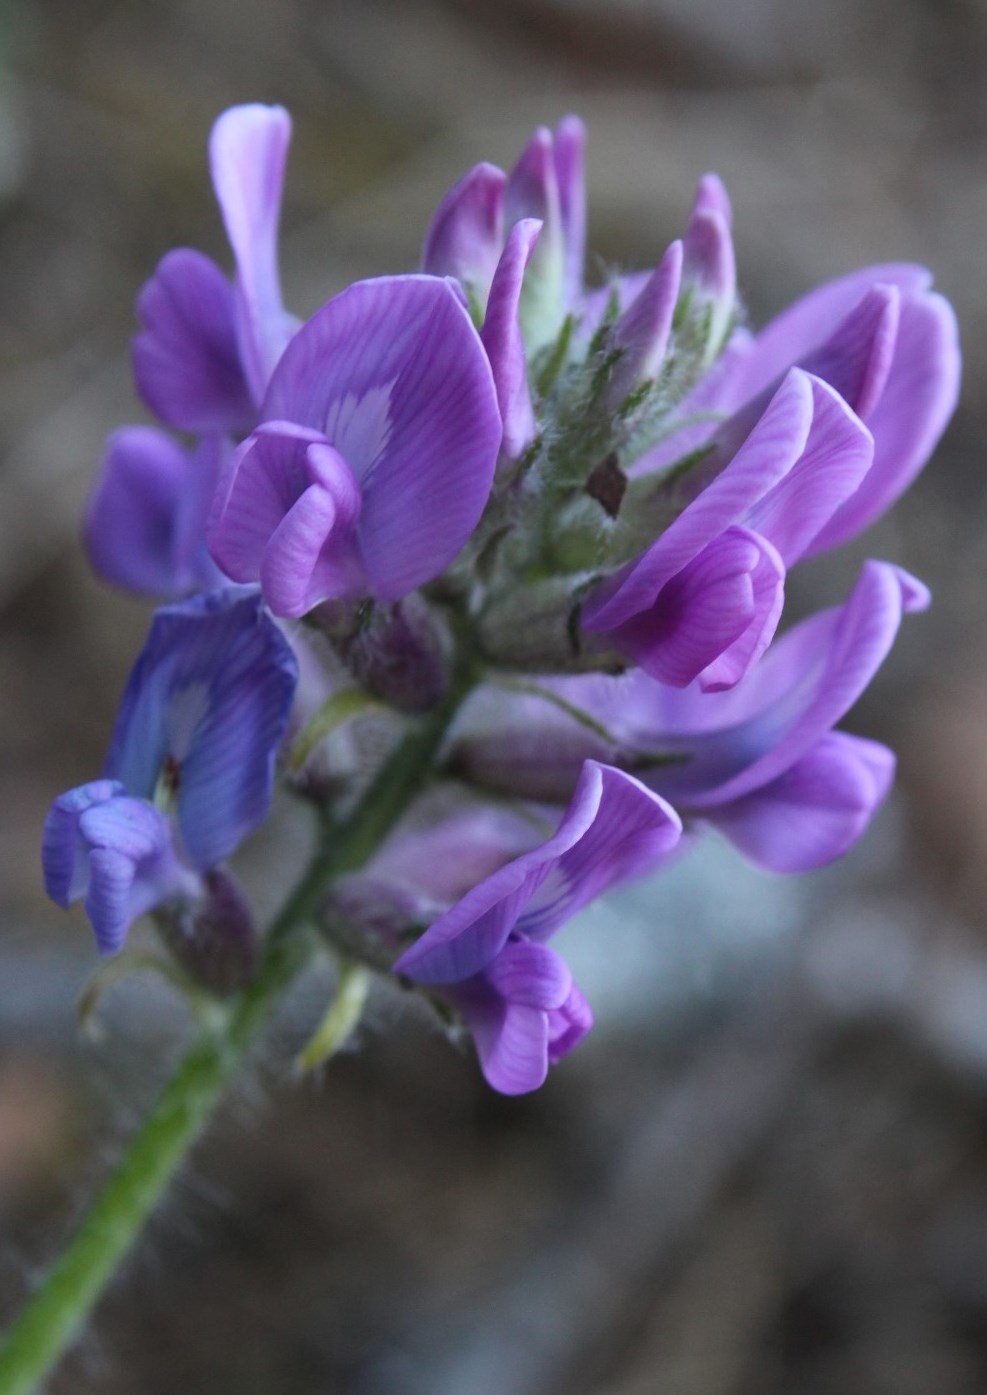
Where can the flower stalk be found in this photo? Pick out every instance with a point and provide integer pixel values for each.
(59, 1309)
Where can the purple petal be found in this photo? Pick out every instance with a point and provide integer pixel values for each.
(532, 189)
(394, 374)
(642, 332)
(530, 975)
(837, 455)
(145, 521)
(533, 192)
(62, 853)
(248, 147)
(466, 235)
(502, 339)
(857, 357)
(312, 555)
(117, 852)
(286, 515)
(511, 1040)
(709, 264)
(767, 455)
(568, 1025)
(203, 713)
(809, 322)
(570, 145)
(917, 402)
(739, 741)
(815, 811)
(612, 828)
(262, 480)
(186, 357)
(714, 618)
(712, 197)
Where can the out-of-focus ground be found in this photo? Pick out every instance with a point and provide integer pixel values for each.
(766, 1172)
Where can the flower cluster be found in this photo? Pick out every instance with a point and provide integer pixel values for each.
(556, 519)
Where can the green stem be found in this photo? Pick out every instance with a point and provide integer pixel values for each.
(60, 1307)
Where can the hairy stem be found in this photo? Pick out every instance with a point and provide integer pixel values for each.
(58, 1310)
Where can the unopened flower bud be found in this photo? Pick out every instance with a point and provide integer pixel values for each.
(214, 939)
(533, 192)
(642, 332)
(467, 233)
(402, 655)
(709, 268)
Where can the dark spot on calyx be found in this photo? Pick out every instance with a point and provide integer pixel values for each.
(608, 485)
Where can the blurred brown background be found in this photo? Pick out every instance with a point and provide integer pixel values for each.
(766, 1172)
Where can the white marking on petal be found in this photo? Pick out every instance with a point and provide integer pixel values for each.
(360, 427)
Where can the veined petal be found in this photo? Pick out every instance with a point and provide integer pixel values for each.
(837, 455)
(312, 555)
(117, 852)
(145, 521)
(511, 1039)
(264, 477)
(501, 337)
(740, 741)
(816, 810)
(62, 853)
(800, 329)
(530, 975)
(465, 238)
(713, 618)
(612, 828)
(857, 357)
(286, 515)
(568, 1024)
(248, 148)
(767, 580)
(911, 414)
(186, 357)
(394, 375)
(203, 713)
(766, 456)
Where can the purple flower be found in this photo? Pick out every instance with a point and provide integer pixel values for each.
(115, 851)
(146, 518)
(760, 762)
(884, 340)
(376, 455)
(702, 603)
(190, 767)
(206, 349)
(487, 953)
(202, 715)
(467, 234)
